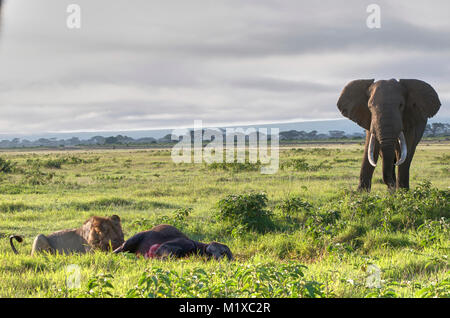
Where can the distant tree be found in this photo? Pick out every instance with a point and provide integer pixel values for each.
(73, 141)
(336, 134)
(437, 129)
(428, 132)
(312, 134)
(111, 140)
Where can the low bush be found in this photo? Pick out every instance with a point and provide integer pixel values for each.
(56, 163)
(247, 211)
(293, 206)
(7, 166)
(53, 163)
(177, 219)
(37, 177)
(300, 164)
(319, 223)
(235, 166)
(236, 280)
(401, 210)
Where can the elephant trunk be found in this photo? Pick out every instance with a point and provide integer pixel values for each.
(387, 149)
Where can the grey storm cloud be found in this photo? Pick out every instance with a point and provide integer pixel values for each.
(280, 85)
(157, 64)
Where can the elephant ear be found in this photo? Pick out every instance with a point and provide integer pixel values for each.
(422, 101)
(353, 102)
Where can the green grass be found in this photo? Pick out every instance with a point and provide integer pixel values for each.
(314, 237)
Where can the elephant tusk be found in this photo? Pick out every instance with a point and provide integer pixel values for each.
(403, 149)
(371, 150)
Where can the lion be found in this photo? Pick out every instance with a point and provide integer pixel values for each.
(103, 233)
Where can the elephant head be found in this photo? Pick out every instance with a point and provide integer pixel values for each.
(387, 109)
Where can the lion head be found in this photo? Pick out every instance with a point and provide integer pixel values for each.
(103, 233)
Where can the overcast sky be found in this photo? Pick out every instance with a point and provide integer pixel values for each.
(143, 64)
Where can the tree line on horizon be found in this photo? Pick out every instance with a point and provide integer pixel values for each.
(431, 130)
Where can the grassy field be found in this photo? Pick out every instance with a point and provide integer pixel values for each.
(316, 236)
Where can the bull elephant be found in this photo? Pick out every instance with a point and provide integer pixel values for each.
(394, 115)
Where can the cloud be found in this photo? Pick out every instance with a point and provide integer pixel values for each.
(157, 64)
(280, 85)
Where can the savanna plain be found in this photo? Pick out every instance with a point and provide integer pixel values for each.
(302, 232)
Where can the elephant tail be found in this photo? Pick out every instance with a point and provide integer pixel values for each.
(18, 238)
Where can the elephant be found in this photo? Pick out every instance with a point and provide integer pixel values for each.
(165, 240)
(394, 114)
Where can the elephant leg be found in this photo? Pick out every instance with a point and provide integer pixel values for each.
(412, 139)
(403, 170)
(365, 176)
(403, 175)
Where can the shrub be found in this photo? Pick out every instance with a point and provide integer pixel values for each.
(36, 177)
(235, 166)
(7, 166)
(235, 280)
(177, 219)
(300, 164)
(322, 223)
(399, 211)
(294, 205)
(435, 290)
(433, 232)
(246, 210)
(100, 286)
(54, 163)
